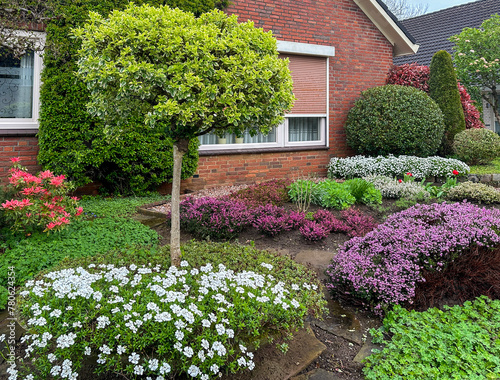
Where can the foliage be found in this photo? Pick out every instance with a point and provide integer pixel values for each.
(363, 191)
(117, 206)
(82, 238)
(392, 166)
(418, 76)
(383, 267)
(441, 191)
(492, 168)
(443, 89)
(457, 342)
(332, 194)
(6, 193)
(214, 218)
(477, 60)
(196, 319)
(392, 188)
(73, 142)
(477, 146)
(271, 220)
(474, 192)
(207, 88)
(300, 192)
(394, 119)
(274, 192)
(357, 223)
(4, 297)
(313, 231)
(44, 201)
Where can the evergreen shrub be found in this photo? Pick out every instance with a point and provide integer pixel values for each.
(395, 119)
(443, 89)
(474, 192)
(477, 146)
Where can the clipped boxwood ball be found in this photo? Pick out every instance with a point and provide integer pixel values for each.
(477, 146)
(397, 120)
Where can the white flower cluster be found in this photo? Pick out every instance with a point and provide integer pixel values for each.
(392, 188)
(391, 166)
(190, 303)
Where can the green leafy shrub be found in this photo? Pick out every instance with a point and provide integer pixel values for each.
(395, 119)
(475, 192)
(76, 144)
(363, 191)
(82, 238)
(460, 342)
(300, 192)
(4, 297)
(392, 166)
(477, 146)
(331, 194)
(443, 89)
(198, 319)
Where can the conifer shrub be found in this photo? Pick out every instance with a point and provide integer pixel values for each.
(477, 146)
(396, 120)
(443, 89)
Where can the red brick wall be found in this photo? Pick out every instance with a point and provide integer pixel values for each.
(24, 147)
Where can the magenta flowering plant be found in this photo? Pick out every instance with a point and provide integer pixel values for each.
(314, 231)
(383, 267)
(272, 220)
(43, 201)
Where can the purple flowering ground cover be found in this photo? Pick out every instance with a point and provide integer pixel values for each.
(383, 267)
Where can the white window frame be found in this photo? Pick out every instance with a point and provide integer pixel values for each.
(32, 122)
(296, 48)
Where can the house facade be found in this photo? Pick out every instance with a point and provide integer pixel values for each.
(336, 50)
(432, 31)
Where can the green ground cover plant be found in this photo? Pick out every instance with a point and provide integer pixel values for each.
(117, 206)
(460, 342)
(492, 168)
(202, 319)
(29, 255)
(474, 192)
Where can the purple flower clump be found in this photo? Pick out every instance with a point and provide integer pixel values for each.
(214, 218)
(271, 220)
(329, 221)
(313, 231)
(356, 223)
(383, 267)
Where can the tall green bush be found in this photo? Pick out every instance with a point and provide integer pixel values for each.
(395, 120)
(443, 89)
(74, 143)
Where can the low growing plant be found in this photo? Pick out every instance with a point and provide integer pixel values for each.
(474, 192)
(392, 188)
(382, 268)
(117, 206)
(274, 192)
(457, 342)
(271, 220)
(301, 192)
(392, 166)
(156, 321)
(363, 191)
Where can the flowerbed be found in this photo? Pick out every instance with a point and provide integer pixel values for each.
(382, 268)
(147, 320)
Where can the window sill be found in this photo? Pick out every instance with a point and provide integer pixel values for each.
(18, 132)
(260, 150)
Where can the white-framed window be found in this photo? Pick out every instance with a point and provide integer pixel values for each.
(20, 87)
(307, 122)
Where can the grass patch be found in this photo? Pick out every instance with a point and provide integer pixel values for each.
(492, 168)
(101, 206)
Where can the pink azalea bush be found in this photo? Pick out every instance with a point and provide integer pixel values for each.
(43, 201)
(383, 267)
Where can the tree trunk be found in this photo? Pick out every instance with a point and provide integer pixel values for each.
(180, 148)
(492, 99)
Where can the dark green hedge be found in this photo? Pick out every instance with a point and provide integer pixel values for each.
(73, 143)
(397, 120)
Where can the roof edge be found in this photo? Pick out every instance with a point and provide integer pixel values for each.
(402, 41)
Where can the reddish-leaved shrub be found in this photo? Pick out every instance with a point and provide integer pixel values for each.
(418, 76)
(271, 220)
(274, 192)
(313, 231)
(357, 224)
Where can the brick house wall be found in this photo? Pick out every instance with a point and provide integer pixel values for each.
(362, 58)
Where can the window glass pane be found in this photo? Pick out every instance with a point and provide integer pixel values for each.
(211, 139)
(16, 85)
(304, 129)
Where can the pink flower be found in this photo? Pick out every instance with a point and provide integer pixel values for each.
(409, 174)
(57, 181)
(455, 172)
(15, 159)
(46, 174)
(400, 180)
(79, 211)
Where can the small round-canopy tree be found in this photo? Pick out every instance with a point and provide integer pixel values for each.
(443, 89)
(477, 59)
(185, 76)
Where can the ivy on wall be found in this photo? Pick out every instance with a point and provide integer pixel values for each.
(72, 142)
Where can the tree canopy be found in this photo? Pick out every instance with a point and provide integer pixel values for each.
(477, 60)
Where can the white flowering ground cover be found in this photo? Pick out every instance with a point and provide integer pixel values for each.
(392, 166)
(154, 322)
